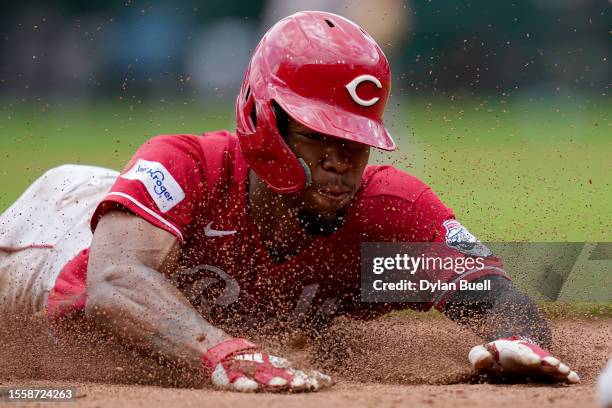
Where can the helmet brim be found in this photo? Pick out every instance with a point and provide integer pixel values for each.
(329, 120)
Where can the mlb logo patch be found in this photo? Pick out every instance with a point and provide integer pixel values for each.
(459, 238)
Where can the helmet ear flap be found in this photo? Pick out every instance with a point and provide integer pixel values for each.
(268, 154)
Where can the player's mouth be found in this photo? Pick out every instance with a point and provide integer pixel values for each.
(334, 196)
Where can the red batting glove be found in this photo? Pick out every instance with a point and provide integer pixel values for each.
(237, 365)
(515, 355)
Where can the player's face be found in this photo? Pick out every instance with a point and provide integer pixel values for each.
(336, 166)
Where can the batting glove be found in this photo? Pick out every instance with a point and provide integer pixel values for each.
(519, 356)
(237, 365)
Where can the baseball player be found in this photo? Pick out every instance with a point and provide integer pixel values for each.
(200, 232)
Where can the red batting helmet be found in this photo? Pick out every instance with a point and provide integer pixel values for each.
(327, 74)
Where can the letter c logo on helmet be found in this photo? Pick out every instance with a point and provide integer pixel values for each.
(352, 89)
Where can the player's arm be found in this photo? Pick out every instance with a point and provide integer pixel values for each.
(508, 319)
(131, 290)
(503, 311)
(518, 336)
(131, 297)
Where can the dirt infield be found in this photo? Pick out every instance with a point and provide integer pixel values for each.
(394, 361)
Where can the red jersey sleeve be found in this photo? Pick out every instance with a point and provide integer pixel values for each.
(400, 208)
(428, 213)
(164, 183)
(434, 222)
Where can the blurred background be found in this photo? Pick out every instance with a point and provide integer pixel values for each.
(502, 107)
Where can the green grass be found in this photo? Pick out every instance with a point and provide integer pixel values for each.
(35, 138)
(513, 170)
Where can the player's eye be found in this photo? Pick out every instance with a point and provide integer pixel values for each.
(313, 136)
(354, 147)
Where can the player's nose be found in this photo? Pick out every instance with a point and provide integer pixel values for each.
(335, 158)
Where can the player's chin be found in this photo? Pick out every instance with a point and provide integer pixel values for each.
(317, 222)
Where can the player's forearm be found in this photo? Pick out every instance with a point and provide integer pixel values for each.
(502, 312)
(143, 309)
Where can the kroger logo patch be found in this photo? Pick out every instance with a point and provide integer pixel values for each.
(158, 181)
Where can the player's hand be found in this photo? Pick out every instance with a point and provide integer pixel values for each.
(237, 365)
(516, 356)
